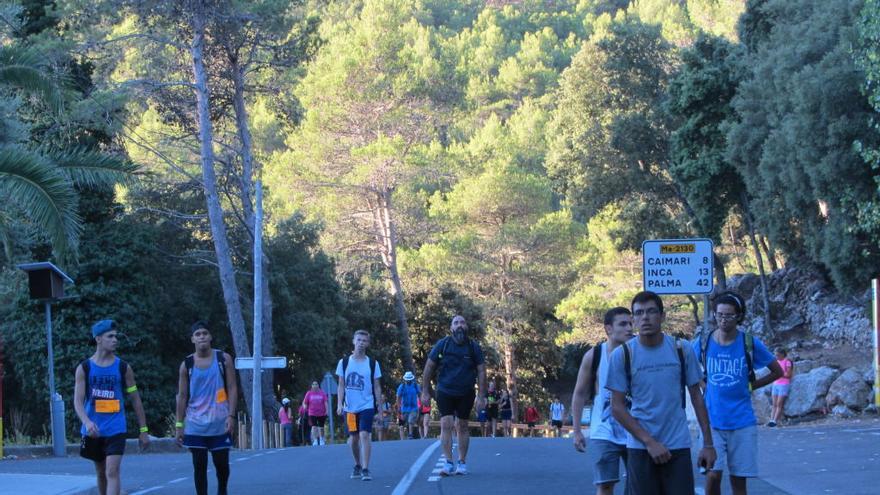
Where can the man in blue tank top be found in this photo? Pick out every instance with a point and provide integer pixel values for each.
(206, 400)
(102, 384)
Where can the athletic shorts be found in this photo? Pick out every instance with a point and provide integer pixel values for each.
(482, 416)
(492, 411)
(410, 417)
(556, 423)
(530, 424)
(506, 415)
(360, 421)
(212, 443)
(98, 448)
(646, 478)
(781, 390)
(458, 405)
(737, 451)
(606, 457)
(317, 421)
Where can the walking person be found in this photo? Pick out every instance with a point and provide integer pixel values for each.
(382, 419)
(492, 398)
(654, 370)
(458, 362)
(483, 419)
(557, 413)
(284, 417)
(607, 436)
(532, 417)
(103, 383)
(505, 407)
(302, 423)
(359, 386)
(316, 404)
(408, 401)
(730, 358)
(781, 386)
(207, 394)
(424, 417)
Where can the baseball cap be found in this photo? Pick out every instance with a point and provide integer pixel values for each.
(103, 327)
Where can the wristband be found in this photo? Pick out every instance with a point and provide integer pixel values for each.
(132, 389)
(179, 424)
(144, 429)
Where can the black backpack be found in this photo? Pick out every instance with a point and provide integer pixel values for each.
(627, 365)
(190, 362)
(123, 369)
(443, 349)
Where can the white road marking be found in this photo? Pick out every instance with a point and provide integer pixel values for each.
(178, 480)
(148, 490)
(410, 475)
(434, 478)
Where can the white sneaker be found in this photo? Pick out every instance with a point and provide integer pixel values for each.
(321, 441)
(448, 469)
(314, 442)
(462, 468)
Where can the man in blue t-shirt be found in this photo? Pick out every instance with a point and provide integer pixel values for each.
(408, 401)
(729, 364)
(460, 363)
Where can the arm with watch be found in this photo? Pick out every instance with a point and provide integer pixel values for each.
(706, 457)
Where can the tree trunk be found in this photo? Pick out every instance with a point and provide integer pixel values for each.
(215, 210)
(695, 310)
(720, 273)
(771, 255)
(733, 242)
(510, 367)
(386, 236)
(247, 179)
(747, 214)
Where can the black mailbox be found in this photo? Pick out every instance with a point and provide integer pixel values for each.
(46, 280)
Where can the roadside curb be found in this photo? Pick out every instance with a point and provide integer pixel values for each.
(157, 446)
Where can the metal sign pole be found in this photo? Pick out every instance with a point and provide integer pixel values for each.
(257, 397)
(58, 440)
(328, 385)
(875, 294)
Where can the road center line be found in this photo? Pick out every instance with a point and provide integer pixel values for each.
(148, 490)
(410, 475)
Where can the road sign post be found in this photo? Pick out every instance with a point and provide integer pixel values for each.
(875, 296)
(328, 385)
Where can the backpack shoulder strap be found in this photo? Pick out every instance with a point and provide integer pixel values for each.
(704, 349)
(372, 368)
(345, 364)
(749, 344)
(682, 371)
(472, 348)
(221, 363)
(594, 368)
(190, 362)
(627, 367)
(123, 369)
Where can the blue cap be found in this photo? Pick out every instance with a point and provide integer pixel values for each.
(103, 327)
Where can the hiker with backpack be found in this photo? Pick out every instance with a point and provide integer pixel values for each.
(408, 401)
(206, 400)
(103, 384)
(607, 436)
(654, 370)
(359, 386)
(458, 361)
(729, 358)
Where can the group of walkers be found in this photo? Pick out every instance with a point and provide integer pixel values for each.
(310, 418)
(637, 385)
(638, 388)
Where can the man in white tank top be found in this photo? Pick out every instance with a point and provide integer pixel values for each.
(607, 437)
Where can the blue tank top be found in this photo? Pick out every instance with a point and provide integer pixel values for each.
(105, 403)
(208, 407)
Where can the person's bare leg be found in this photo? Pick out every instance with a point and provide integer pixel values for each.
(355, 444)
(446, 426)
(780, 414)
(101, 473)
(775, 409)
(738, 485)
(112, 466)
(713, 482)
(606, 488)
(366, 447)
(464, 439)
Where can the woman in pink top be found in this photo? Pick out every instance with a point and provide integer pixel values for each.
(317, 404)
(781, 386)
(284, 415)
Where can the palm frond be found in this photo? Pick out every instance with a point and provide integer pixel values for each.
(41, 189)
(93, 168)
(5, 238)
(24, 69)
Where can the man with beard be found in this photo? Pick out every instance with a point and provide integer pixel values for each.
(460, 362)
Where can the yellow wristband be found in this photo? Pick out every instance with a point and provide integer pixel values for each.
(179, 424)
(131, 389)
(144, 429)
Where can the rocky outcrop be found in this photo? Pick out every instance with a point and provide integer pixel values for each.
(808, 391)
(849, 390)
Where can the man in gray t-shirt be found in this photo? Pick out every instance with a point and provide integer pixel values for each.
(658, 441)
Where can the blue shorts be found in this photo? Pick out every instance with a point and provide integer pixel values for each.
(482, 416)
(216, 442)
(360, 421)
(781, 390)
(506, 414)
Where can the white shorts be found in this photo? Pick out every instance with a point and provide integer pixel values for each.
(737, 451)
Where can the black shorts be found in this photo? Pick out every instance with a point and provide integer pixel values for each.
(530, 424)
(643, 476)
(317, 421)
(492, 411)
(458, 405)
(98, 448)
(556, 423)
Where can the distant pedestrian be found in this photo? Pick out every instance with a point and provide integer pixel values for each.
(483, 418)
(424, 417)
(557, 413)
(492, 398)
(302, 423)
(730, 358)
(359, 387)
(781, 386)
(655, 370)
(102, 384)
(382, 419)
(408, 401)
(458, 362)
(317, 403)
(607, 436)
(285, 415)
(532, 417)
(206, 399)
(505, 408)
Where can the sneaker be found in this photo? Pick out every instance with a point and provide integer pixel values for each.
(321, 441)
(315, 442)
(771, 424)
(448, 469)
(462, 468)
(365, 475)
(356, 472)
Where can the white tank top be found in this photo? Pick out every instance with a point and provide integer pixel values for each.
(602, 425)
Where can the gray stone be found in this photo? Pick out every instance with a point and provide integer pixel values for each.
(808, 391)
(841, 410)
(804, 366)
(762, 403)
(848, 389)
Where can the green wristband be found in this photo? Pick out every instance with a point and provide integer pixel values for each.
(179, 424)
(144, 429)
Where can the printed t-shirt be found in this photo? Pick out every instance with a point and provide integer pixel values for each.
(358, 386)
(556, 411)
(316, 401)
(208, 406)
(105, 403)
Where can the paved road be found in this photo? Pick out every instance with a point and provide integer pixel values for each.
(842, 459)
